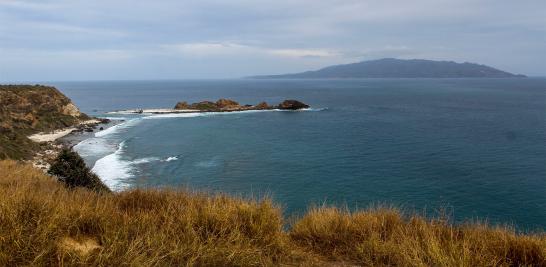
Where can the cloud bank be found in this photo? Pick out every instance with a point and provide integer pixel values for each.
(91, 40)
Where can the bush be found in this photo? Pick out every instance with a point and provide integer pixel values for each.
(70, 168)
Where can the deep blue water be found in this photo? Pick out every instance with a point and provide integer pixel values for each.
(476, 147)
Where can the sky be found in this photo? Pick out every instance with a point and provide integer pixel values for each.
(47, 40)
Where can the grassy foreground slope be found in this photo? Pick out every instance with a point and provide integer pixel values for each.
(44, 223)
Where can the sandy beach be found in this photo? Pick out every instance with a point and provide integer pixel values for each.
(50, 137)
(153, 111)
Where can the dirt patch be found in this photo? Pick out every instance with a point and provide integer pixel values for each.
(83, 246)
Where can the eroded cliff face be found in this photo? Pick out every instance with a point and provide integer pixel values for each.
(27, 109)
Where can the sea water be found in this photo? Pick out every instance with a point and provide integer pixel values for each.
(475, 148)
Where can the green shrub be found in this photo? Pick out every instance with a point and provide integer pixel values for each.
(70, 168)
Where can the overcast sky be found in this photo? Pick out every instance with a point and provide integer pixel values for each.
(46, 40)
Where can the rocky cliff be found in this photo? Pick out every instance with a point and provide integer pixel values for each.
(28, 109)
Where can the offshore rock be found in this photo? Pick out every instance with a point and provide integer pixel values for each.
(182, 105)
(262, 106)
(204, 106)
(227, 104)
(292, 105)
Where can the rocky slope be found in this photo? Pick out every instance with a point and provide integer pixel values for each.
(28, 109)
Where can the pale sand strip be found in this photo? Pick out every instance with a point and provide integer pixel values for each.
(154, 111)
(50, 137)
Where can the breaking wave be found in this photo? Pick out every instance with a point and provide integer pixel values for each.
(116, 128)
(171, 159)
(113, 170)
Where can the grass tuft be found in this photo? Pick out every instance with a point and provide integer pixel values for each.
(383, 237)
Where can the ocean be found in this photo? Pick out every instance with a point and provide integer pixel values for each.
(471, 148)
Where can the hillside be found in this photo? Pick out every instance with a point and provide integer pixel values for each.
(398, 68)
(28, 109)
(43, 223)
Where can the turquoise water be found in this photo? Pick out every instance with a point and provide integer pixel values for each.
(474, 147)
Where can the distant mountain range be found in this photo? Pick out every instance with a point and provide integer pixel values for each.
(399, 68)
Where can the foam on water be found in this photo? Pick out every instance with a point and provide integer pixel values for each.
(115, 118)
(116, 171)
(145, 160)
(206, 114)
(171, 158)
(94, 146)
(116, 128)
(314, 109)
(113, 170)
(202, 114)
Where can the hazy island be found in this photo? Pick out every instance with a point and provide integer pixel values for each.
(67, 216)
(399, 68)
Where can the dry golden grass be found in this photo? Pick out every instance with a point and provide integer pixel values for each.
(382, 237)
(44, 223)
(143, 228)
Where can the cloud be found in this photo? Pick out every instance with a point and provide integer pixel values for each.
(26, 5)
(65, 57)
(208, 48)
(396, 51)
(22, 64)
(264, 36)
(303, 53)
(213, 49)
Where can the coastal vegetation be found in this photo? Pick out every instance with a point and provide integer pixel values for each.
(70, 169)
(28, 109)
(43, 222)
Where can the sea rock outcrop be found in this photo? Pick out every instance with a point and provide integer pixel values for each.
(204, 106)
(292, 105)
(227, 104)
(182, 105)
(262, 106)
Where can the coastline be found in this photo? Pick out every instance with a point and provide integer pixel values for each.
(266, 224)
(54, 142)
(57, 134)
(105, 155)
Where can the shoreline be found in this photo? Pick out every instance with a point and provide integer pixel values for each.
(73, 136)
(57, 134)
(153, 111)
(158, 111)
(54, 142)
